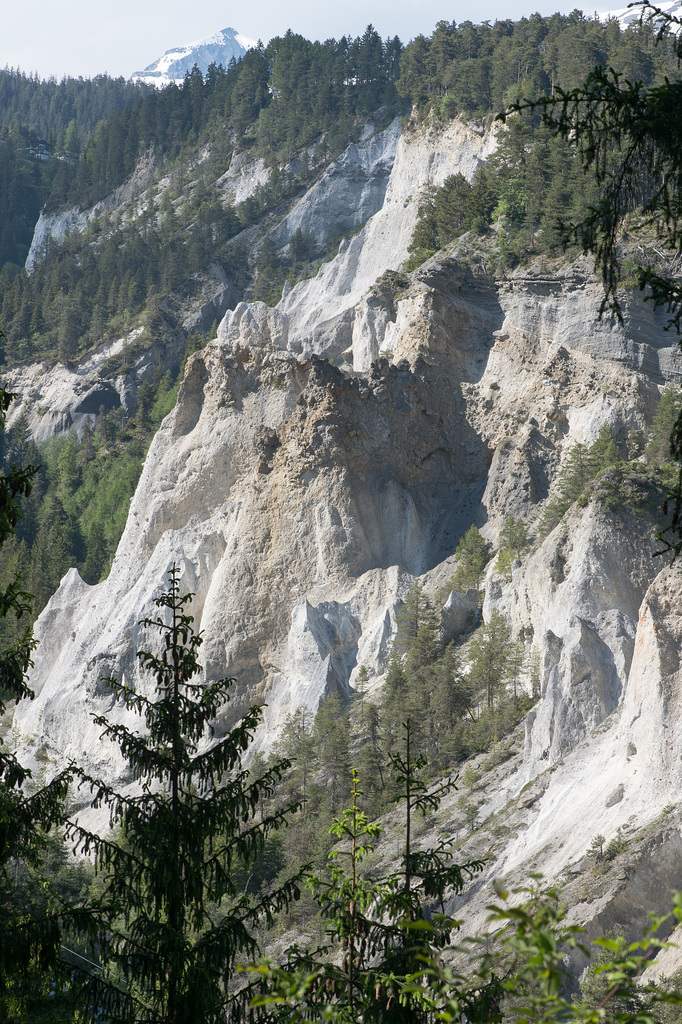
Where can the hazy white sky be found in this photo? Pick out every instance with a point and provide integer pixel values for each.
(85, 37)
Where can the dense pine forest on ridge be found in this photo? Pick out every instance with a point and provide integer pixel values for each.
(277, 101)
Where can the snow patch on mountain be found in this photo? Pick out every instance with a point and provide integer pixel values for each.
(631, 15)
(218, 48)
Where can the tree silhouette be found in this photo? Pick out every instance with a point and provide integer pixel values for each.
(171, 921)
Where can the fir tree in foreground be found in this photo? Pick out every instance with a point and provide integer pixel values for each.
(171, 921)
(29, 939)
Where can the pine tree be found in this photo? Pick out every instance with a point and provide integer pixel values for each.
(376, 926)
(514, 539)
(394, 697)
(332, 739)
(494, 662)
(298, 745)
(473, 554)
(25, 939)
(415, 613)
(370, 757)
(450, 703)
(514, 536)
(97, 557)
(581, 466)
(172, 923)
(658, 451)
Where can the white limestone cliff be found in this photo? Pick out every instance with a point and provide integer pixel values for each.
(53, 227)
(321, 311)
(300, 501)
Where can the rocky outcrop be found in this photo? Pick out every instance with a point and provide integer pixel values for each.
(623, 776)
(242, 178)
(351, 190)
(52, 228)
(58, 398)
(321, 311)
(301, 501)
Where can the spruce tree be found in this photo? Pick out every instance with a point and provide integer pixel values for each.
(378, 933)
(332, 739)
(171, 921)
(473, 553)
(450, 702)
(26, 939)
(298, 745)
(495, 662)
(369, 757)
(658, 451)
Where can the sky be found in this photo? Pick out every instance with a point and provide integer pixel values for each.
(82, 37)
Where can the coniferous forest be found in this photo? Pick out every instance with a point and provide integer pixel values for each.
(219, 854)
(274, 103)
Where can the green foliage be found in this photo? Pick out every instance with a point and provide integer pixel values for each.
(297, 104)
(625, 129)
(473, 69)
(534, 181)
(616, 846)
(331, 735)
(595, 984)
(171, 920)
(657, 450)
(29, 935)
(596, 849)
(473, 554)
(495, 659)
(514, 541)
(412, 673)
(527, 960)
(375, 926)
(31, 110)
(275, 267)
(39, 990)
(582, 466)
(346, 898)
(298, 745)
(77, 509)
(453, 712)
(50, 107)
(98, 285)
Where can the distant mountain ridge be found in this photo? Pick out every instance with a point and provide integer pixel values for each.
(218, 48)
(630, 15)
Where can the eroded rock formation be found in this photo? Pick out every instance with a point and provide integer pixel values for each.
(301, 499)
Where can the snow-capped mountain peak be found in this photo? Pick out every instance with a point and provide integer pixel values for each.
(218, 48)
(630, 15)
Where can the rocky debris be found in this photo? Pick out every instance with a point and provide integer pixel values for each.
(217, 294)
(459, 613)
(616, 796)
(350, 191)
(323, 311)
(242, 178)
(59, 397)
(301, 501)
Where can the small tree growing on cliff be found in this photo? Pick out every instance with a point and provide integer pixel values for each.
(172, 922)
(473, 554)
